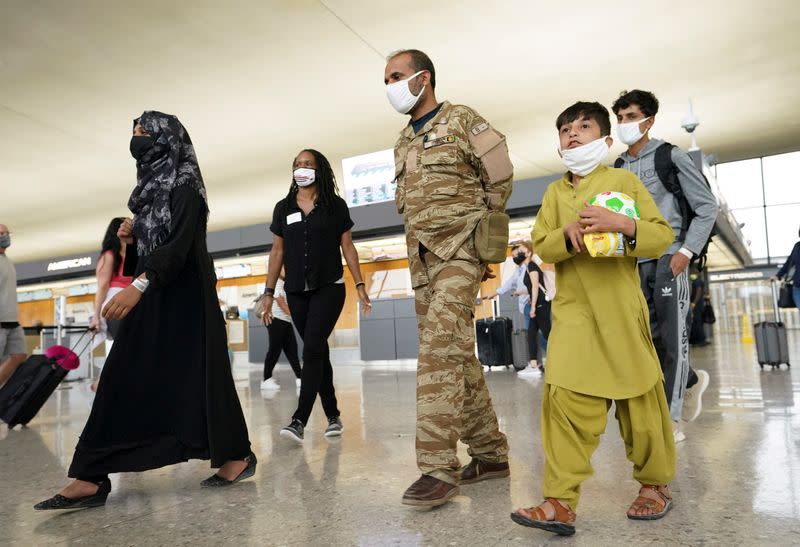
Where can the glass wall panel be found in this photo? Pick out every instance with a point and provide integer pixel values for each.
(740, 183)
(754, 230)
(782, 227)
(780, 179)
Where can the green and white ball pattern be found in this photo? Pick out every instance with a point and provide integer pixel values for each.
(617, 202)
(610, 244)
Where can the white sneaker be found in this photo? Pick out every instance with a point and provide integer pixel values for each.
(693, 400)
(528, 372)
(297, 382)
(677, 434)
(269, 385)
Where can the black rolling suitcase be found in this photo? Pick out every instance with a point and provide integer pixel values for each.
(494, 340)
(24, 394)
(772, 347)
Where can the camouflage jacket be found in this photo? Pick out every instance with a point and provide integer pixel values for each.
(448, 176)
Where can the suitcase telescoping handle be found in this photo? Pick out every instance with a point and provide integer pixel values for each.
(86, 345)
(483, 306)
(775, 308)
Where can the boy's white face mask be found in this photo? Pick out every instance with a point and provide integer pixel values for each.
(629, 133)
(582, 160)
(400, 95)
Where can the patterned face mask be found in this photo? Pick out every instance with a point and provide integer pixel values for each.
(304, 177)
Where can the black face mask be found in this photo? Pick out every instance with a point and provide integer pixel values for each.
(519, 258)
(141, 145)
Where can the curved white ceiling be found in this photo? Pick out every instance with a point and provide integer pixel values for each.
(254, 82)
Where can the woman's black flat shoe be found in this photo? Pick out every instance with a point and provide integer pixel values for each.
(59, 502)
(215, 480)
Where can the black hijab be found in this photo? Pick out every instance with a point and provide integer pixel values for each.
(170, 163)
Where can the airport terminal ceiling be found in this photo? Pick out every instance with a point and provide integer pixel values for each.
(254, 82)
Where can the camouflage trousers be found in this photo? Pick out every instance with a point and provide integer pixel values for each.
(453, 402)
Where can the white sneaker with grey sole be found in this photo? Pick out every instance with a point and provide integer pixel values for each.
(693, 400)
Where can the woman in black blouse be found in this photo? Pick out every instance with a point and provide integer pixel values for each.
(172, 329)
(309, 227)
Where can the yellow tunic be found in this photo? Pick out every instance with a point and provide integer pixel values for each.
(600, 343)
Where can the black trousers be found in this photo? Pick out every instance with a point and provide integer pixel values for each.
(698, 333)
(539, 323)
(315, 314)
(667, 297)
(281, 338)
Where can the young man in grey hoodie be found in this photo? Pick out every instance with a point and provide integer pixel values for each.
(665, 281)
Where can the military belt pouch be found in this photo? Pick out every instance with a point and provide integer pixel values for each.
(491, 237)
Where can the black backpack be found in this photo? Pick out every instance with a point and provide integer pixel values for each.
(667, 173)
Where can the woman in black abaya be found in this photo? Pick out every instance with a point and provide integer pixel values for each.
(172, 330)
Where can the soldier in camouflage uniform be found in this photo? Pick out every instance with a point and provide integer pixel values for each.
(452, 167)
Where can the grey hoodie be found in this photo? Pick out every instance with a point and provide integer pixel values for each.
(697, 193)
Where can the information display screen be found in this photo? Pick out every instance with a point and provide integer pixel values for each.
(369, 178)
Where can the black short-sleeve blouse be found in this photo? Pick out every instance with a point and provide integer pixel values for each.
(311, 243)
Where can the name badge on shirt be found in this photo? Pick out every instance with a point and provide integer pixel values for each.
(447, 139)
(294, 217)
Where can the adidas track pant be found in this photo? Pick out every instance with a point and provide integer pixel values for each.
(668, 299)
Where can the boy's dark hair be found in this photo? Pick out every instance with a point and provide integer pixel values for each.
(647, 102)
(419, 61)
(586, 111)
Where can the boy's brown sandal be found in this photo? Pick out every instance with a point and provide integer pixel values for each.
(653, 498)
(562, 524)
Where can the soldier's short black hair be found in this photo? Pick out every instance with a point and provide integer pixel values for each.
(419, 61)
(586, 111)
(647, 102)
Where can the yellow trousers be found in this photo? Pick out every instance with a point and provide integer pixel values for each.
(571, 427)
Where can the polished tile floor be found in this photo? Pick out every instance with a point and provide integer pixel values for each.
(738, 472)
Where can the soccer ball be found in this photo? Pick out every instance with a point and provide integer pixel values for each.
(610, 244)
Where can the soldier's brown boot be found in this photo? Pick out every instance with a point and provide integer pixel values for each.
(481, 470)
(429, 491)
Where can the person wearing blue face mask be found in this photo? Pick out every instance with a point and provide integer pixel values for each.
(12, 338)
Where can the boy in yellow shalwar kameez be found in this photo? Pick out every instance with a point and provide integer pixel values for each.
(600, 349)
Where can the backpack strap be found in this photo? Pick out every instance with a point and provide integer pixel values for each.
(667, 173)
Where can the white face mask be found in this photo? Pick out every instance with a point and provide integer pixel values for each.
(629, 132)
(400, 95)
(304, 177)
(582, 160)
